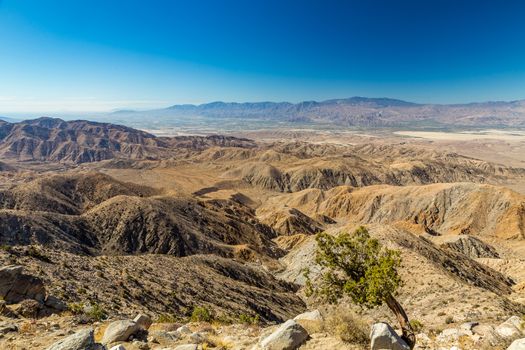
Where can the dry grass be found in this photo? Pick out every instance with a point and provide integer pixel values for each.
(348, 327)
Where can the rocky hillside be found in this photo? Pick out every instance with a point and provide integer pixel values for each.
(456, 208)
(291, 167)
(93, 213)
(80, 141)
(434, 275)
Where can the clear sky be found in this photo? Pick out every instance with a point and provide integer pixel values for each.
(108, 54)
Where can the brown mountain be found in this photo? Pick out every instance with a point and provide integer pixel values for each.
(80, 141)
(93, 213)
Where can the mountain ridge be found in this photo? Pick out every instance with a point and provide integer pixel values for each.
(353, 111)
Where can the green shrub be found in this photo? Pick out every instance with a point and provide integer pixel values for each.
(417, 326)
(96, 312)
(201, 314)
(247, 319)
(76, 308)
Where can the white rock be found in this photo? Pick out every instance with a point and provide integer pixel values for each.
(449, 335)
(468, 326)
(314, 315)
(518, 344)
(510, 328)
(187, 347)
(289, 336)
(118, 347)
(81, 340)
(383, 337)
(184, 330)
(423, 338)
(119, 331)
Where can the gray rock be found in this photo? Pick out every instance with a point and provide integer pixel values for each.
(184, 330)
(197, 337)
(81, 340)
(383, 337)
(156, 336)
(512, 327)
(16, 286)
(289, 336)
(55, 303)
(119, 331)
(187, 347)
(143, 321)
(314, 315)
(518, 344)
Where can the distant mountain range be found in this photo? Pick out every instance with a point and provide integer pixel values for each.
(354, 111)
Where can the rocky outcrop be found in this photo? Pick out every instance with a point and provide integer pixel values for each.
(382, 336)
(471, 247)
(289, 336)
(290, 221)
(15, 286)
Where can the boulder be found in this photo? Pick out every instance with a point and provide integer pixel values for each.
(16, 286)
(312, 321)
(383, 337)
(81, 340)
(187, 347)
(54, 303)
(289, 336)
(518, 344)
(143, 321)
(119, 331)
(512, 327)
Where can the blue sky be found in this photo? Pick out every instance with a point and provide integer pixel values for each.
(63, 55)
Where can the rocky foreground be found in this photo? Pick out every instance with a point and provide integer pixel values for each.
(30, 318)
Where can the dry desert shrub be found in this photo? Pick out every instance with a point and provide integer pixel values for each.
(344, 324)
